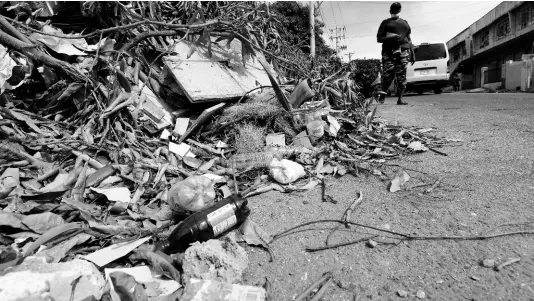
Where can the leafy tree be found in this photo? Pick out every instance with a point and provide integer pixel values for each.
(295, 19)
(365, 73)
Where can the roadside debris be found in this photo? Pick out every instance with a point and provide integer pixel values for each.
(420, 294)
(286, 171)
(209, 290)
(317, 290)
(398, 182)
(52, 279)
(488, 263)
(507, 263)
(206, 224)
(137, 142)
(217, 260)
(192, 194)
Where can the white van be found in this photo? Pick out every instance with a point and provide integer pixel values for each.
(431, 68)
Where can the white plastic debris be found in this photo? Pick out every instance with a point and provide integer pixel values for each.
(116, 194)
(286, 171)
(192, 194)
(417, 146)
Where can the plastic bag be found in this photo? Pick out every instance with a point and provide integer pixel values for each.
(315, 130)
(192, 194)
(286, 171)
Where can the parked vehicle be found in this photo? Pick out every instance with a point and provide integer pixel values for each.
(431, 68)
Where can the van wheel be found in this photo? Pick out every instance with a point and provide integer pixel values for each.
(437, 90)
(389, 93)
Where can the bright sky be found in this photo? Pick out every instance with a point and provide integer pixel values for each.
(430, 21)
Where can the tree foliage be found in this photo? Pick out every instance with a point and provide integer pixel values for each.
(364, 73)
(295, 19)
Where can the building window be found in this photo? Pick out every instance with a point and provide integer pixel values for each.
(456, 54)
(484, 39)
(525, 16)
(502, 29)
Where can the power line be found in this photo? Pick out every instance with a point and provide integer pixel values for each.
(339, 9)
(343, 22)
(423, 25)
(415, 15)
(333, 15)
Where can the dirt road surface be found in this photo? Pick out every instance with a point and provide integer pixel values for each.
(488, 181)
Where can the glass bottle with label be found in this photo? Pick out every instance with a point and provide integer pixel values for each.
(206, 224)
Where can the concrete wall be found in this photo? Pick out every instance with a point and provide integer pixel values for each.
(512, 75)
(493, 86)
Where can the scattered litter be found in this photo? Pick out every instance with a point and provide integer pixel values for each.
(371, 243)
(206, 224)
(488, 263)
(334, 126)
(315, 130)
(141, 274)
(116, 194)
(398, 182)
(209, 290)
(275, 139)
(52, 279)
(122, 141)
(165, 135)
(180, 127)
(181, 149)
(286, 171)
(507, 263)
(417, 146)
(252, 234)
(113, 252)
(192, 194)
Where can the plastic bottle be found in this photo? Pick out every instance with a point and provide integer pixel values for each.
(263, 159)
(206, 224)
(255, 160)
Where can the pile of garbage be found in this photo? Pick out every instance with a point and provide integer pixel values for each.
(126, 150)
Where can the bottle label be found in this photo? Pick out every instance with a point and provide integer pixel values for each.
(224, 225)
(222, 219)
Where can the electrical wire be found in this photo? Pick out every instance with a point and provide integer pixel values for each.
(339, 9)
(333, 15)
(343, 22)
(415, 15)
(326, 28)
(423, 25)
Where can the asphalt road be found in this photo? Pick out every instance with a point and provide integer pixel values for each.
(488, 183)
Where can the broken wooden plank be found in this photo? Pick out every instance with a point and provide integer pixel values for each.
(203, 80)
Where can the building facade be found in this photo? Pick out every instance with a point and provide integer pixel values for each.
(482, 52)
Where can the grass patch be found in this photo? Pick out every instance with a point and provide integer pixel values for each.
(250, 138)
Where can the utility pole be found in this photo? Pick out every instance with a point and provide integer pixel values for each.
(350, 55)
(312, 29)
(338, 35)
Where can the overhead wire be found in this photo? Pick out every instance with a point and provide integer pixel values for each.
(326, 28)
(414, 15)
(343, 22)
(423, 25)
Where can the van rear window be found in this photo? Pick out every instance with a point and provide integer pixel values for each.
(429, 52)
